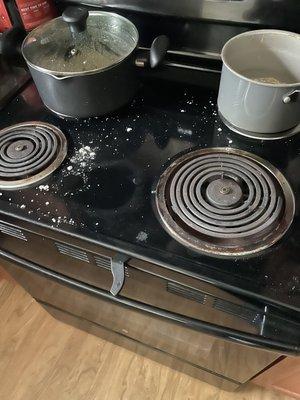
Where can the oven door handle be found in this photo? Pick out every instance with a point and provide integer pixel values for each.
(188, 322)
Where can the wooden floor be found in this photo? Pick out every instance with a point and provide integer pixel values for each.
(43, 359)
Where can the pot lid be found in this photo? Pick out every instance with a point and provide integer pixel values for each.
(80, 42)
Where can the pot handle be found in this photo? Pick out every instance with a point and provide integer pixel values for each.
(158, 51)
(76, 18)
(291, 96)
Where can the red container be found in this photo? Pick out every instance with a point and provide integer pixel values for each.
(5, 22)
(35, 12)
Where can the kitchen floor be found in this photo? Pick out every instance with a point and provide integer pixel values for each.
(41, 358)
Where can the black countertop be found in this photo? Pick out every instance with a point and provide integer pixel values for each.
(104, 190)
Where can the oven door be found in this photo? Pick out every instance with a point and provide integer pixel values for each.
(178, 336)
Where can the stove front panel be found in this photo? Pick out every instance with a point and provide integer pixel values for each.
(150, 284)
(145, 282)
(233, 362)
(57, 256)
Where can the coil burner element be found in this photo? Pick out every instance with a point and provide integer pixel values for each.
(29, 152)
(224, 202)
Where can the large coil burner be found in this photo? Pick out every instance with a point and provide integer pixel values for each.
(224, 202)
(29, 152)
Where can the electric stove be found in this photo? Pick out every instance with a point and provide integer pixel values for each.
(157, 224)
(105, 189)
(103, 199)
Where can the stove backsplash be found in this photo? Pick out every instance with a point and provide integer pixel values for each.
(279, 13)
(202, 26)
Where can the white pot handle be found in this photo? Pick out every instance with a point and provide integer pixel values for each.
(291, 96)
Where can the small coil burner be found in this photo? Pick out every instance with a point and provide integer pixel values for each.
(29, 152)
(224, 202)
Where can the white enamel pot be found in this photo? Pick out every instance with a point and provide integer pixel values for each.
(260, 83)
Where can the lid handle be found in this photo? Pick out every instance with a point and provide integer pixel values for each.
(76, 18)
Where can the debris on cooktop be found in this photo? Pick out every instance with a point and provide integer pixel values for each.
(82, 162)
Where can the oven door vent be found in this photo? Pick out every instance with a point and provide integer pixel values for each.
(72, 252)
(11, 231)
(105, 262)
(235, 309)
(184, 291)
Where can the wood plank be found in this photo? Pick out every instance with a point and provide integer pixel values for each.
(5, 275)
(44, 359)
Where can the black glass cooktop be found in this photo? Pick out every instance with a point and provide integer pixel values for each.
(104, 190)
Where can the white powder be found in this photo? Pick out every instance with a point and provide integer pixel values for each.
(64, 220)
(44, 187)
(142, 236)
(84, 153)
(82, 162)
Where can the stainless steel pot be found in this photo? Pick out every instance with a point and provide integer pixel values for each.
(260, 83)
(84, 63)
